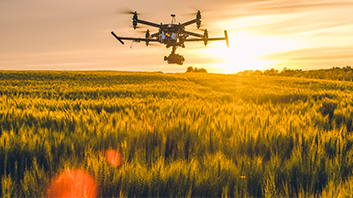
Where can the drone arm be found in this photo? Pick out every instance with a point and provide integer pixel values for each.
(133, 39)
(210, 39)
(148, 23)
(138, 39)
(197, 20)
(213, 39)
(155, 34)
(119, 38)
(189, 22)
(194, 34)
(196, 39)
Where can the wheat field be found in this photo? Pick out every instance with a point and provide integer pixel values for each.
(180, 135)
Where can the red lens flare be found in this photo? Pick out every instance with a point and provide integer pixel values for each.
(73, 183)
(113, 157)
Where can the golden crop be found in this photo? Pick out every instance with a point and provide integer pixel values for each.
(184, 135)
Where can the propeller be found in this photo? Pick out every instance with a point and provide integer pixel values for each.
(147, 36)
(205, 37)
(197, 15)
(125, 10)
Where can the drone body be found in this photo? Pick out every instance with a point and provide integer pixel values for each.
(172, 35)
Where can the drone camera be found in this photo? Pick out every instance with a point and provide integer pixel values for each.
(174, 59)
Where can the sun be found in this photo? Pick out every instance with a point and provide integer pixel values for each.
(245, 52)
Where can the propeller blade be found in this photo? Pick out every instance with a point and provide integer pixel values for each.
(141, 31)
(138, 27)
(194, 29)
(195, 10)
(125, 11)
(152, 43)
(191, 14)
(203, 29)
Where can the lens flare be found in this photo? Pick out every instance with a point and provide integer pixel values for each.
(72, 183)
(248, 52)
(113, 157)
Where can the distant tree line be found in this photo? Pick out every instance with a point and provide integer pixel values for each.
(191, 69)
(335, 73)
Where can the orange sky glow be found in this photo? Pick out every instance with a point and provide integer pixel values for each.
(263, 34)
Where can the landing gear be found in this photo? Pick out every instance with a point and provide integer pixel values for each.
(174, 58)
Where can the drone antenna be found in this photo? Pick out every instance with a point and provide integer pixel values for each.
(132, 44)
(173, 18)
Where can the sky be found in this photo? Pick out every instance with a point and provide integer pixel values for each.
(263, 34)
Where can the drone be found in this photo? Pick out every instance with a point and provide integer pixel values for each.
(172, 35)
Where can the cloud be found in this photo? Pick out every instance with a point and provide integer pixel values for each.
(299, 24)
(319, 53)
(39, 33)
(280, 17)
(275, 7)
(313, 58)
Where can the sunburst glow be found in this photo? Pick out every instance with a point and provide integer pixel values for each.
(245, 51)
